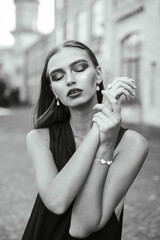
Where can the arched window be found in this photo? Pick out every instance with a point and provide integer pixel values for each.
(131, 57)
(70, 29)
(59, 4)
(82, 26)
(98, 18)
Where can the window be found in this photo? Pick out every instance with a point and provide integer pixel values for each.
(70, 30)
(59, 4)
(19, 70)
(59, 35)
(98, 18)
(153, 83)
(119, 3)
(1, 66)
(82, 26)
(130, 58)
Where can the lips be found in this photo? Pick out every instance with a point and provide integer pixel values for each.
(73, 91)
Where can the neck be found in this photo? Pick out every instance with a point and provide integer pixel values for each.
(81, 119)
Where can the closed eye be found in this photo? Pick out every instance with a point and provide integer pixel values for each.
(57, 76)
(80, 67)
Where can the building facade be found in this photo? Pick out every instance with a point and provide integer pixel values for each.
(125, 36)
(34, 62)
(12, 59)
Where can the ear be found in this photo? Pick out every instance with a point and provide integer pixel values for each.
(99, 78)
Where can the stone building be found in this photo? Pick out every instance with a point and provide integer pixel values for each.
(34, 61)
(125, 35)
(6, 68)
(26, 34)
(12, 59)
(30, 49)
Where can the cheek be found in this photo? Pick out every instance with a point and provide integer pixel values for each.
(91, 80)
(88, 77)
(57, 88)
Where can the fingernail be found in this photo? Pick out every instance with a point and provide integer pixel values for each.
(134, 93)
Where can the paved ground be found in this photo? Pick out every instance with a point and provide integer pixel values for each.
(17, 187)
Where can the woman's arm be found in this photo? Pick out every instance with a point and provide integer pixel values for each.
(129, 158)
(58, 190)
(100, 196)
(106, 186)
(87, 209)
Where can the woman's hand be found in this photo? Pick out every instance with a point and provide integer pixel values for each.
(122, 86)
(108, 119)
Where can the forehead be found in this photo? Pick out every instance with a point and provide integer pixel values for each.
(66, 56)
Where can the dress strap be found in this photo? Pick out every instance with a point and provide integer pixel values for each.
(120, 135)
(62, 144)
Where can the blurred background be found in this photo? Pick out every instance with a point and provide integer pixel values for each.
(125, 37)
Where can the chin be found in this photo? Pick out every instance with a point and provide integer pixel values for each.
(82, 103)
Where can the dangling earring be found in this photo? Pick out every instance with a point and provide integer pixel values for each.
(97, 88)
(58, 103)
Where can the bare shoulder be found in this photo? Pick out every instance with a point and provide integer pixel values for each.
(133, 140)
(131, 136)
(38, 137)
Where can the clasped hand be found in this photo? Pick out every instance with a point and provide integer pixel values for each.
(108, 113)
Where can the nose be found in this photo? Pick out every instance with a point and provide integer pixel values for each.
(70, 80)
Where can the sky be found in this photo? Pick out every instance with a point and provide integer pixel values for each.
(7, 19)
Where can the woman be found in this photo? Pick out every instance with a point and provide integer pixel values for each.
(84, 161)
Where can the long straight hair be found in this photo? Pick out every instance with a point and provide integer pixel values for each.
(47, 112)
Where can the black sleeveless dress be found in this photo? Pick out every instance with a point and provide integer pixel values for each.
(44, 224)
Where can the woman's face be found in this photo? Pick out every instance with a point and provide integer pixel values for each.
(73, 77)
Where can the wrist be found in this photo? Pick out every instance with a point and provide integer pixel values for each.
(103, 156)
(104, 162)
(95, 130)
(105, 152)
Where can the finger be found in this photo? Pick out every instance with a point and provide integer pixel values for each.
(104, 121)
(122, 91)
(106, 103)
(113, 101)
(126, 80)
(100, 107)
(105, 115)
(127, 87)
(119, 88)
(101, 124)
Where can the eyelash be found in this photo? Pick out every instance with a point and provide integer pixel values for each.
(75, 69)
(82, 68)
(54, 78)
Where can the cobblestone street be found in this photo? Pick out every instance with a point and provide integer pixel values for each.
(18, 191)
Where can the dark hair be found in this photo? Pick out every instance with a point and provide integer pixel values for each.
(47, 112)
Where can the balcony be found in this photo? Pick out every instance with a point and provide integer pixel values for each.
(127, 8)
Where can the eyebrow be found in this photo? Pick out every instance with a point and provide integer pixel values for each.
(70, 65)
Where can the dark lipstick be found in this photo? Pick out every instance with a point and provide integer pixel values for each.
(73, 91)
